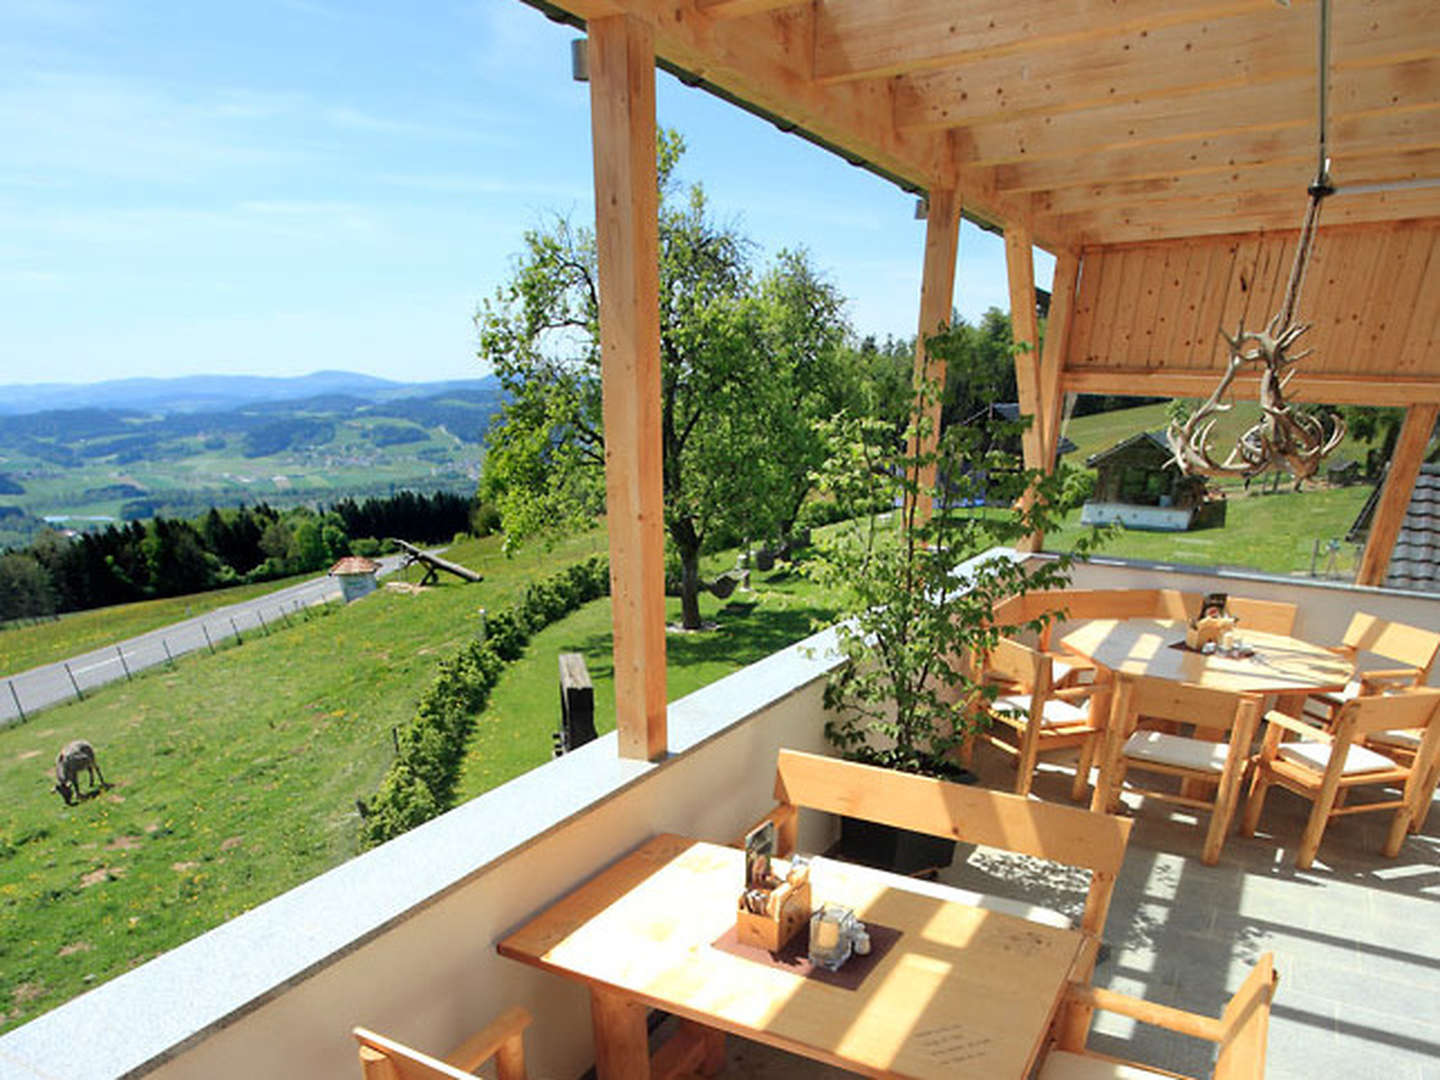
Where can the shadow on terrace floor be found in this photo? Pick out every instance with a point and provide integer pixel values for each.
(1356, 938)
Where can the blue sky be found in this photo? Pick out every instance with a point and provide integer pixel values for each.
(282, 186)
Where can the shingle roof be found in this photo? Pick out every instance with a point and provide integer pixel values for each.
(1415, 563)
(355, 564)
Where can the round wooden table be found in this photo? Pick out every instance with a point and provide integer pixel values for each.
(1155, 648)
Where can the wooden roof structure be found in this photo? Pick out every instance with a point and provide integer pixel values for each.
(1161, 151)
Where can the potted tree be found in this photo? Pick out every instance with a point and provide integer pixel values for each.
(918, 593)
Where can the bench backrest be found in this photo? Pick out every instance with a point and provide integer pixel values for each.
(971, 815)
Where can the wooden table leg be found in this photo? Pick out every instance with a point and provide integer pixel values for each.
(694, 1050)
(622, 1042)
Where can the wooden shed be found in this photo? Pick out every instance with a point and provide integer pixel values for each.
(356, 575)
(1161, 153)
(1138, 484)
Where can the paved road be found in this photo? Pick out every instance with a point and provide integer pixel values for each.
(41, 687)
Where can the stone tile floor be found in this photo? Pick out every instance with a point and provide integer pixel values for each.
(1356, 938)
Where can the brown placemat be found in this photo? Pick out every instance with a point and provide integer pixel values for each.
(795, 957)
(1245, 655)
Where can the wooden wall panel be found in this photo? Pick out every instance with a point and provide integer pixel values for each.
(1372, 295)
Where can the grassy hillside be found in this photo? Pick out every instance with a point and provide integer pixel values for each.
(235, 777)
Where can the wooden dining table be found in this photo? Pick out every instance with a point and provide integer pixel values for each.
(1280, 664)
(1287, 667)
(960, 992)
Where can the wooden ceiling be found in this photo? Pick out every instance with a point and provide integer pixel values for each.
(1089, 121)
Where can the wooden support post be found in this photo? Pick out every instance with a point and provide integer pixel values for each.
(1025, 328)
(937, 297)
(622, 117)
(1052, 357)
(1395, 499)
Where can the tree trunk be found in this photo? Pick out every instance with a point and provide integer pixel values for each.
(690, 588)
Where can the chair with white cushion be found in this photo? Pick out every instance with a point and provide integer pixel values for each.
(1217, 761)
(1323, 766)
(1031, 716)
(1412, 650)
(1240, 1034)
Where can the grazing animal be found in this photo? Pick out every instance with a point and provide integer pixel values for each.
(77, 756)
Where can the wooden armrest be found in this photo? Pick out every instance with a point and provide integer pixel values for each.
(1071, 660)
(1069, 693)
(481, 1046)
(1299, 727)
(1387, 676)
(1147, 1012)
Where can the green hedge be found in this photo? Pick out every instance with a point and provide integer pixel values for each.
(420, 782)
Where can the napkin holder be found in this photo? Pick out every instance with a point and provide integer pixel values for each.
(1209, 629)
(786, 910)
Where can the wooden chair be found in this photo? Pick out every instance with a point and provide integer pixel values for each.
(1228, 719)
(1267, 616)
(1240, 1033)
(1037, 715)
(1413, 650)
(1324, 765)
(503, 1040)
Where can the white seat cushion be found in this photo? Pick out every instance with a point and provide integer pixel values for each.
(940, 891)
(1178, 751)
(1316, 756)
(1408, 737)
(1056, 711)
(1063, 1065)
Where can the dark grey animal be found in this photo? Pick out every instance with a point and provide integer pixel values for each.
(77, 757)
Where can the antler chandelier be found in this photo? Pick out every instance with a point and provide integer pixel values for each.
(1285, 437)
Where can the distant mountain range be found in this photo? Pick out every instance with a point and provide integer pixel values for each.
(140, 447)
(204, 393)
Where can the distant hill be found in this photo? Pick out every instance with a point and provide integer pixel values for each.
(196, 393)
(145, 447)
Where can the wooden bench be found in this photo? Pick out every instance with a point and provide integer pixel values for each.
(1062, 834)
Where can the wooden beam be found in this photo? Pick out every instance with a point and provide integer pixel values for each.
(1025, 332)
(731, 9)
(1288, 103)
(937, 296)
(622, 104)
(1187, 58)
(1329, 389)
(766, 59)
(1395, 498)
(861, 39)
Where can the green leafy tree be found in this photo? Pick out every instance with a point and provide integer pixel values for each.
(917, 600)
(734, 357)
(26, 590)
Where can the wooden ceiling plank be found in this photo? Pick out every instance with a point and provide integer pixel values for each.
(1407, 275)
(1177, 304)
(1360, 137)
(862, 39)
(1173, 60)
(1291, 176)
(1365, 290)
(1219, 277)
(1092, 271)
(1287, 103)
(1240, 214)
(1420, 353)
